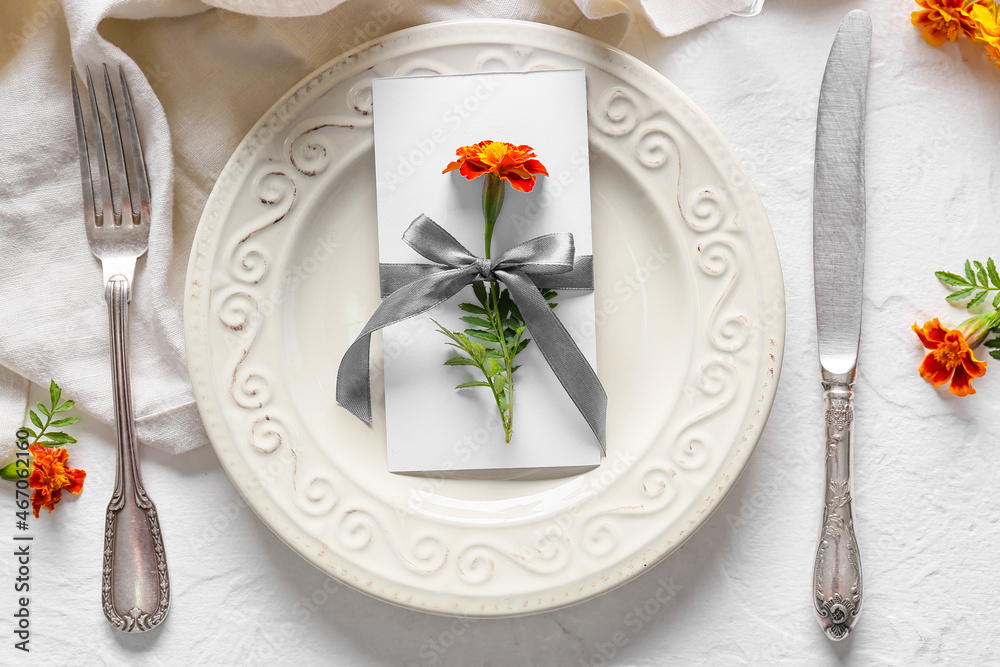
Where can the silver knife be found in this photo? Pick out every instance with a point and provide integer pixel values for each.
(838, 266)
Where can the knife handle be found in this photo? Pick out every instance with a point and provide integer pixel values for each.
(837, 574)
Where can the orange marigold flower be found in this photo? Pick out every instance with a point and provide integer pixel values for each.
(50, 475)
(515, 164)
(944, 20)
(950, 356)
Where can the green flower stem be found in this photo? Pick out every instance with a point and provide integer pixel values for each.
(494, 190)
(493, 194)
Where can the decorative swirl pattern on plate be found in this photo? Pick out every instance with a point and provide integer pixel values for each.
(309, 151)
(503, 58)
(703, 210)
(357, 529)
(266, 434)
(477, 563)
(599, 534)
(273, 189)
(423, 67)
(720, 259)
(655, 146)
(616, 113)
(715, 379)
(316, 497)
(238, 310)
(359, 97)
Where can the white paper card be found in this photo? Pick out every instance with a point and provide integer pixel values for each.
(419, 122)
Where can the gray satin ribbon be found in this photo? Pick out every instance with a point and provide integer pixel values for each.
(521, 269)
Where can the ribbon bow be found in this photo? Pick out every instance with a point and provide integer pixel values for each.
(519, 269)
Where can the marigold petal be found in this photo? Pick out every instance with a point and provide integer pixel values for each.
(974, 367)
(76, 478)
(473, 169)
(934, 371)
(960, 383)
(935, 37)
(452, 166)
(535, 167)
(932, 334)
(519, 182)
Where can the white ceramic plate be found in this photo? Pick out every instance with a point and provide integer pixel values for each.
(283, 274)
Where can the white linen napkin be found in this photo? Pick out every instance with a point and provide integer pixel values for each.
(200, 75)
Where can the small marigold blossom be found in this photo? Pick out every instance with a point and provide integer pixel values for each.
(950, 356)
(50, 475)
(515, 164)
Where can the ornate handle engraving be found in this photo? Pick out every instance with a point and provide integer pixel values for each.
(135, 589)
(837, 574)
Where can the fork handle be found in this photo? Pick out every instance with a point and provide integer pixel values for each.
(135, 588)
(837, 581)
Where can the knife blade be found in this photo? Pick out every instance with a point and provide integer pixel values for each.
(838, 267)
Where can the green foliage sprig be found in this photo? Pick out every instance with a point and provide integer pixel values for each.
(976, 284)
(44, 436)
(494, 339)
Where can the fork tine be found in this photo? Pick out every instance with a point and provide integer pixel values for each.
(89, 210)
(119, 156)
(138, 163)
(107, 205)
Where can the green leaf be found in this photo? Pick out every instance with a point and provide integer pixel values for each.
(65, 422)
(44, 410)
(514, 369)
(506, 406)
(54, 393)
(67, 405)
(474, 383)
(995, 354)
(520, 330)
(992, 342)
(515, 313)
(951, 278)
(981, 274)
(478, 351)
(460, 361)
(520, 346)
(31, 432)
(480, 289)
(969, 274)
(35, 419)
(996, 300)
(503, 305)
(483, 335)
(492, 367)
(549, 295)
(991, 268)
(469, 308)
(976, 300)
(60, 437)
(495, 354)
(498, 382)
(960, 294)
(477, 321)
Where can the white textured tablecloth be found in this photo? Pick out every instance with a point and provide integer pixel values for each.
(738, 592)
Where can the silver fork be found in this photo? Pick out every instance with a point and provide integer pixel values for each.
(135, 588)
